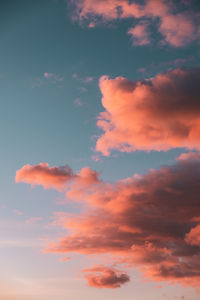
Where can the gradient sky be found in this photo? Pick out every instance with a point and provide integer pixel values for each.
(52, 56)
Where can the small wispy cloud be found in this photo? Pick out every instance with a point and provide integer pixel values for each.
(47, 78)
(33, 220)
(54, 77)
(17, 212)
(87, 79)
(65, 258)
(78, 102)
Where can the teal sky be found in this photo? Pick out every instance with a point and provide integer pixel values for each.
(52, 118)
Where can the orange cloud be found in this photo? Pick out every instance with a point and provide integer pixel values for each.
(54, 177)
(42, 174)
(103, 277)
(159, 113)
(65, 258)
(150, 222)
(177, 28)
(193, 237)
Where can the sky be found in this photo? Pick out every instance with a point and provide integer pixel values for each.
(100, 161)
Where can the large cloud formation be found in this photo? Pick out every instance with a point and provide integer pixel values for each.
(177, 24)
(159, 113)
(151, 222)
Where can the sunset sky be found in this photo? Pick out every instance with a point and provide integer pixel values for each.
(100, 149)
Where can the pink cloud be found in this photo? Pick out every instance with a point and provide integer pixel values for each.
(47, 78)
(159, 113)
(52, 76)
(65, 258)
(142, 70)
(193, 237)
(177, 28)
(148, 222)
(33, 220)
(17, 212)
(42, 174)
(140, 34)
(55, 177)
(104, 277)
(87, 79)
(48, 75)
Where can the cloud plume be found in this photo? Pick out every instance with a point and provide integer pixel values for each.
(159, 113)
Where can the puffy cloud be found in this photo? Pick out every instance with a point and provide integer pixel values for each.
(42, 174)
(140, 34)
(108, 10)
(150, 222)
(193, 237)
(54, 177)
(103, 277)
(177, 28)
(159, 113)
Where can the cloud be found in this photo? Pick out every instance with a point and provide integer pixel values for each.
(140, 34)
(103, 277)
(33, 220)
(150, 222)
(54, 177)
(178, 29)
(78, 102)
(87, 79)
(159, 113)
(53, 77)
(17, 212)
(177, 26)
(193, 237)
(65, 258)
(42, 174)
(47, 78)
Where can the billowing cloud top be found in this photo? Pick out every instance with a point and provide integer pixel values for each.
(178, 26)
(159, 113)
(151, 222)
